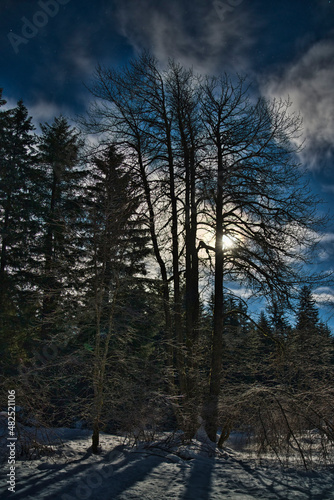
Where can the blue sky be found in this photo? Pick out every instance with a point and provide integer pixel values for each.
(49, 49)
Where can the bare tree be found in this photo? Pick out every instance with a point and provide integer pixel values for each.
(213, 164)
(261, 203)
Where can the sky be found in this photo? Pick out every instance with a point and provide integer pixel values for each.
(50, 48)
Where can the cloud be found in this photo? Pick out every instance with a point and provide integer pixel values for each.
(327, 188)
(241, 292)
(40, 111)
(44, 111)
(325, 250)
(327, 238)
(77, 54)
(194, 33)
(10, 102)
(324, 295)
(309, 83)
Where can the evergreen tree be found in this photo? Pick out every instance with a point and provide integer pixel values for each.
(264, 328)
(59, 157)
(310, 348)
(19, 224)
(279, 323)
(116, 248)
(307, 313)
(16, 197)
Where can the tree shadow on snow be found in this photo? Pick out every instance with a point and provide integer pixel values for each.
(280, 485)
(103, 479)
(199, 480)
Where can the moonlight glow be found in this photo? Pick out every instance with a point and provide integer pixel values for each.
(228, 242)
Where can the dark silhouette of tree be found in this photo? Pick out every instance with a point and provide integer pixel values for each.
(59, 147)
(307, 313)
(277, 317)
(310, 346)
(259, 199)
(155, 118)
(116, 248)
(19, 196)
(222, 166)
(198, 183)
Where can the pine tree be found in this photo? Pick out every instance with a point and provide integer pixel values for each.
(16, 182)
(116, 248)
(19, 224)
(279, 323)
(310, 347)
(307, 314)
(59, 157)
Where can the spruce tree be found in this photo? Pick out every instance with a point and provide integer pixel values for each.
(116, 248)
(279, 323)
(19, 225)
(59, 157)
(307, 313)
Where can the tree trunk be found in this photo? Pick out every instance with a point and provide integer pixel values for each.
(49, 285)
(3, 262)
(211, 410)
(192, 294)
(96, 436)
(162, 266)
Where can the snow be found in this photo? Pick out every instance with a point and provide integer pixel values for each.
(155, 472)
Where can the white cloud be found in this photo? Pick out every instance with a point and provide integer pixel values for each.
(323, 255)
(327, 238)
(44, 111)
(41, 111)
(10, 103)
(327, 188)
(309, 83)
(323, 295)
(195, 35)
(241, 292)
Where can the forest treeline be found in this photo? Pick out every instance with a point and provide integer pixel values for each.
(120, 259)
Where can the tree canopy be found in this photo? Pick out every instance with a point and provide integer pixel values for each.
(126, 254)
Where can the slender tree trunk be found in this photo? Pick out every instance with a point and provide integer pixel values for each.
(191, 299)
(49, 285)
(162, 266)
(3, 263)
(176, 274)
(193, 277)
(5, 239)
(211, 410)
(192, 293)
(102, 306)
(101, 355)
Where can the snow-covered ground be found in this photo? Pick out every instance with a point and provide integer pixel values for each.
(122, 472)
